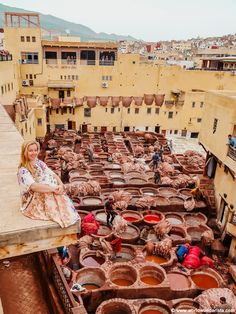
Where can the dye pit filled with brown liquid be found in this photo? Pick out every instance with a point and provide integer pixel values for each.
(122, 282)
(204, 281)
(178, 281)
(90, 286)
(150, 280)
(152, 312)
(93, 261)
(155, 259)
(176, 235)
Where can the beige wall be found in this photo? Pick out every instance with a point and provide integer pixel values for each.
(8, 82)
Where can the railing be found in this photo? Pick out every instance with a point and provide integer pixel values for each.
(5, 57)
(87, 62)
(51, 61)
(68, 61)
(232, 153)
(66, 297)
(106, 62)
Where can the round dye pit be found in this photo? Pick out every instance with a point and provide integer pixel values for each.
(196, 232)
(162, 201)
(178, 281)
(91, 278)
(152, 236)
(174, 219)
(204, 281)
(195, 219)
(131, 216)
(153, 308)
(167, 192)
(123, 275)
(148, 191)
(115, 307)
(118, 181)
(103, 231)
(92, 260)
(78, 179)
(92, 200)
(137, 180)
(176, 235)
(101, 216)
(155, 259)
(132, 191)
(130, 235)
(152, 219)
(151, 276)
(185, 192)
(177, 200)
(187, 305)
(126, 254)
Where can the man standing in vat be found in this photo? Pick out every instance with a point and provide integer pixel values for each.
(109, 210)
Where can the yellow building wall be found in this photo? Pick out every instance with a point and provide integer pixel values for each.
(26, 128)
(8, 82)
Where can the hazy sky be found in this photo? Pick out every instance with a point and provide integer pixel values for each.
(150, 20)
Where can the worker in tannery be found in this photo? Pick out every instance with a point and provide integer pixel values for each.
(109, 210)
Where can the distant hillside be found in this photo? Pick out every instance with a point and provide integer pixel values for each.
(50, 22)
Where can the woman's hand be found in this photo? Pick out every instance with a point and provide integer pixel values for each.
(59, 189)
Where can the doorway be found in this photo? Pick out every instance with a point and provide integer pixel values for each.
(61, 94)
(157, 129)
(84, 128)
(71, 125)
(184, 133)
(126, 129)
(103, 129)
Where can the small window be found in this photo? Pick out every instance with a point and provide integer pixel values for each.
(112, 110)
(136, 110)
(30, 130)
(11, 85)
(9, 88)
(170, 114)
(33, 39)
(87, 112)
(64, 77)
(77, 77)
(106, 109)
(103, 78)
(70, 110)
(34, 76)
(64, 110)
(26, 128)
(31, 76)
(5, 86)
(114, 129)
(199, 120)
(157, 110)
(95, 129)
(134, 62)
(146, 128)
(110, 78)
(118, 109)
(149, 110)
(193, 104)
(22, 38)
(28, 39)
(68, 93)
(128, 110)
(57, 111)
(61, 77)
(107, 77)
(39, 121)
(2, 89)
(170, 131)
(201, 104)
(72, 77)
(22, 132)
(68, 77)
(176, 132)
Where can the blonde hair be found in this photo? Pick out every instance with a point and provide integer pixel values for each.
(24, 162)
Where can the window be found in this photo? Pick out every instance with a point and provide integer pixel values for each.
(64, 110)
(22, 38)
(39, 121)
(149, 110)
(119, 109)
(70, 110)
(68, 93)
(146, 128)
(11, 85)
(33, 39)
(26, 128)
(5, 86)
(64, 77)
(136, 110)
(215, 122)
(8, 85)
(157, 110)
(2, 89)
(110, 78)
(193, 104)
(87, 112)
(77, 77)
(201, 104)
(112, 110)
(176, 132)
(114, 129)
(106, 109)
(30, 130)
(57, 111)
(170, 131)
(61, 77)
(29, 57)
(95, 129)
(22, 132)
(34, 76)
(28, 39)
(72, 77)
(170, 114)
(103, 78)
(199, 120)
(128, 110)
(31, 76)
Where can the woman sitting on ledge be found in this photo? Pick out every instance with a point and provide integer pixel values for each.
(42, 191)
